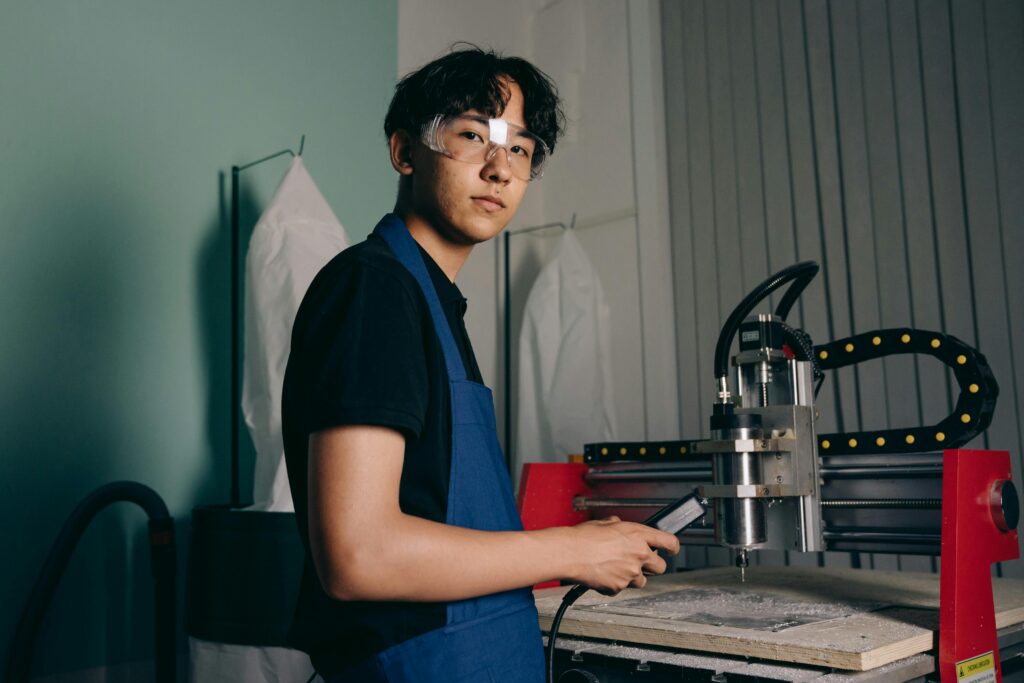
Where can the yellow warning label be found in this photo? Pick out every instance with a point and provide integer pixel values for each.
(980, 669)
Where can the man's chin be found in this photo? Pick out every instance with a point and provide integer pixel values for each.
(475, 233)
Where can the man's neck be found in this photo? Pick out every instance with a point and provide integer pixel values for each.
(448, 255)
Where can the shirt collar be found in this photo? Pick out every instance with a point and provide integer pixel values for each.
(447, 291)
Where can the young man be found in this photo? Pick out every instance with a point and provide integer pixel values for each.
(417, 566)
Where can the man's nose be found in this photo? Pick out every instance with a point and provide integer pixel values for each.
(498, 168)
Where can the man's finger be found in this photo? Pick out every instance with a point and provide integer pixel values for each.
(662, 540)
(655, 564)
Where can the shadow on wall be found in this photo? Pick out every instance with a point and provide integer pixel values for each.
(77, 339)
(72, 346)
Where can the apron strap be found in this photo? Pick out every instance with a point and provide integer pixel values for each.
(392, 229)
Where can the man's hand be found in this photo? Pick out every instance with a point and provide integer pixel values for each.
(615, 555)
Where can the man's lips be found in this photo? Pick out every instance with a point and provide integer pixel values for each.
(489, 202)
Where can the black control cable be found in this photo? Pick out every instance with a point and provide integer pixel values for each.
(164, 561)
(802, 272)
(674, 519)
(802, 346)
(795, 290)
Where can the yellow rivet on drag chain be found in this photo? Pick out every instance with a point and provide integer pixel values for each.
(849, 348)
(905, 339)
(877, 341)
(622, 451)
(823, 355)
(604, 451)
(682, 449)
(960, 360)
(940, 437)
(973, 388)
(936, 343)
(910, 438)
(853, 443)
(643, 451)
(880, 441)
(825, 444)
(965, 418)
(661, 450)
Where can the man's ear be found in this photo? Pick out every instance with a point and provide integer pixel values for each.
(401, 144)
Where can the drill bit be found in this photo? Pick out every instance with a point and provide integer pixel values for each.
(742, 562)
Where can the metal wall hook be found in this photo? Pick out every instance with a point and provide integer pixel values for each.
(302, 146)
(535, 228)
(545, 226)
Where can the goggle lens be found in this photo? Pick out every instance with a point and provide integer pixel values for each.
(476, 140)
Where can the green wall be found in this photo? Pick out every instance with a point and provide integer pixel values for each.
(119, 121)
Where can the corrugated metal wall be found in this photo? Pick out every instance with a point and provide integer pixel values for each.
(884, 140)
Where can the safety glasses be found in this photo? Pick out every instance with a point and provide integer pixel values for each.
(477, 139)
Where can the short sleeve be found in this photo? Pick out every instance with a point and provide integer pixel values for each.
(361, 353)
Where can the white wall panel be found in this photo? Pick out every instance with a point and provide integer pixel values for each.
(880, 138)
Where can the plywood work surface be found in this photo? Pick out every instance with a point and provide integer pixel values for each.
(853, 619)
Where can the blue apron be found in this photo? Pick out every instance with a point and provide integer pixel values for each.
(490, 639)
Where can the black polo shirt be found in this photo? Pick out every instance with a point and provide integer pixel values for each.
(364, 351)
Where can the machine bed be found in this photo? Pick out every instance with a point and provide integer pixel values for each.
(784, 623)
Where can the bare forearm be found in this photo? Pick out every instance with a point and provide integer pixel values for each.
(366, 548)
(415, 559)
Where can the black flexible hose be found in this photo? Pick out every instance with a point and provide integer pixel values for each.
(163, 556)
(794, 292)
(805, 270)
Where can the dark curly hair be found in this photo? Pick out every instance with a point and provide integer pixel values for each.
(471, 78)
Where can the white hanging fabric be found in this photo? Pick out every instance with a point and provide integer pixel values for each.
(211, 662)
(295, 237)
(565, 396)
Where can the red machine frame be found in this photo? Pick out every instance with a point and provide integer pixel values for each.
(974, 536)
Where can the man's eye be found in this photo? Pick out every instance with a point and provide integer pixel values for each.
(471, 136)
(521, 151)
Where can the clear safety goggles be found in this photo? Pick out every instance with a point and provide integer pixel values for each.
(477, 139)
